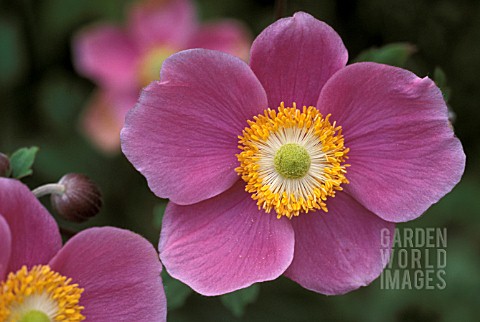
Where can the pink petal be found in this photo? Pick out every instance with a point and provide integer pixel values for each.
(225, 243)
(5, 247)
(162, 22)
(229, 36)
(342, 250)
(294, 57)
(105, 54)
(34, 233)
(119, 272)
(404, 156)
(182, 135)
(103, 118)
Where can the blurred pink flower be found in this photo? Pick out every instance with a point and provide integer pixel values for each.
(390, 125)
(102, 274)
(123, 60)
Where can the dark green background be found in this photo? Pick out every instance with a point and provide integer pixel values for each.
(41, 98)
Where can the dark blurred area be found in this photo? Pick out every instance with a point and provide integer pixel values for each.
(42, 98)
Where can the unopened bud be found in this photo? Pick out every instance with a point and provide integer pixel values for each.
(4, 165)
(80, 199)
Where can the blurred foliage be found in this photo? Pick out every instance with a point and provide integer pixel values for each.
(238, 300)
(42, 97)
(177, 292)
(12, 52)
(392, 54)
(441, 81)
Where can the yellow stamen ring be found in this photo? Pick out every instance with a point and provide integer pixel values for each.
(292, 160)
(29, 294)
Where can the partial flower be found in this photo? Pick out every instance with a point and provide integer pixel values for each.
(294, 164)
(101, 274)
(123, 60)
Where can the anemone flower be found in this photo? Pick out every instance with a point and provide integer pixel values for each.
(123, 60)
(101, 274)
(295, 164)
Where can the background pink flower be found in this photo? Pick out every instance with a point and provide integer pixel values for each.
(123, 60)
(403, 155)
(118, 270)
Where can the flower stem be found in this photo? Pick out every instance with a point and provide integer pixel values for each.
(51, 188)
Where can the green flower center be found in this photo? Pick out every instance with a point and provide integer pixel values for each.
(292, 161)
(35, 316)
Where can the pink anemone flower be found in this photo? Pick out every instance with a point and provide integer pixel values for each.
(253, 156)
(123, 60)
(101, 274)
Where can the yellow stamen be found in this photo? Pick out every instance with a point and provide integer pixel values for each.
(42, 290)
(308, 189)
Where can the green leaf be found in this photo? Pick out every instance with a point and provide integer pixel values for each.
(440, 79)
(237, 301)
(21, 162)
(177, 292)
(395, 54)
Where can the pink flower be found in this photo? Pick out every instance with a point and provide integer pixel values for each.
(189, 136)
(123, 60)
(102, 274)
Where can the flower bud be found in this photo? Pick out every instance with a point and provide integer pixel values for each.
(4, 165)
(80, 200)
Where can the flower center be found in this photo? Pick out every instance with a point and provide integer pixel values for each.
(292, 160)
(39, 295)
(35, 316)
(151, 63)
